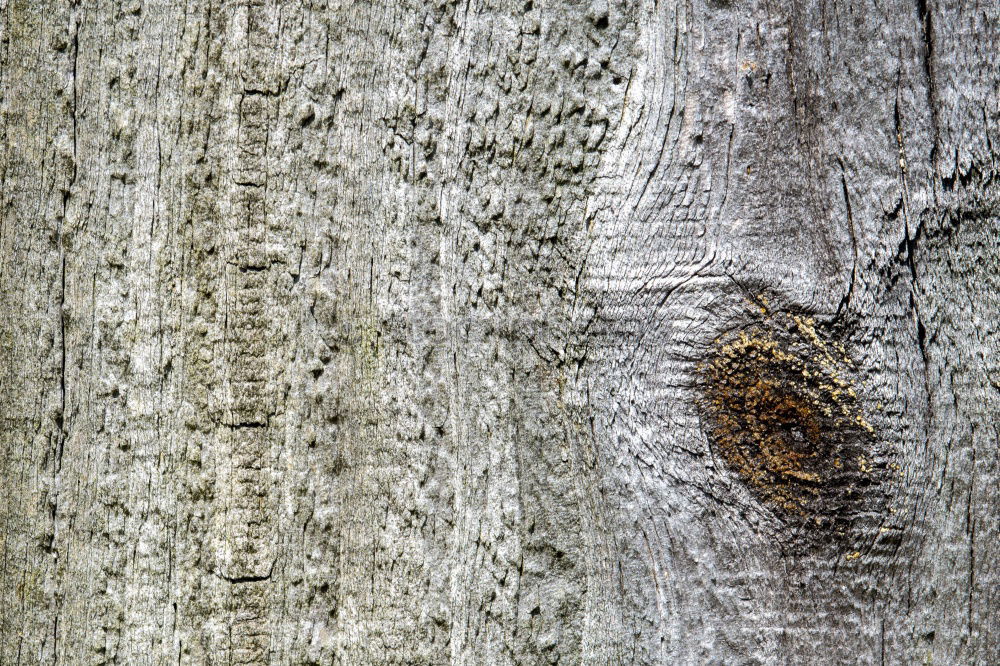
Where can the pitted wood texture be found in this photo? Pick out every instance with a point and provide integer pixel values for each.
(381, 332)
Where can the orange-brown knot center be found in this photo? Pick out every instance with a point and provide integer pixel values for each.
(780, 409)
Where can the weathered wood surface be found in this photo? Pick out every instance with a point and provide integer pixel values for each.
(382, 332)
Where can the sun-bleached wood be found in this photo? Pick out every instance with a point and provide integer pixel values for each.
(374, 332)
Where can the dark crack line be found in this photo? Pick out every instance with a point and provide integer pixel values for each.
(239, 580)
(845, 302)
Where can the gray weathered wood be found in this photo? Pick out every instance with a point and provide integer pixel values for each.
(382, 332)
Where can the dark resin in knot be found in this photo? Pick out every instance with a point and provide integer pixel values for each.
(779, 408)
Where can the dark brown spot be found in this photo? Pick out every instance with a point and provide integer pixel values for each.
(779, 406)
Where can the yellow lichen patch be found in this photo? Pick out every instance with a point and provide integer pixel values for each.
(779, 407)
(852, 556)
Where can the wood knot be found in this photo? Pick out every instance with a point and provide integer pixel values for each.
(779, 407)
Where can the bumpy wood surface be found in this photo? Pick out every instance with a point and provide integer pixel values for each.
(499, 332)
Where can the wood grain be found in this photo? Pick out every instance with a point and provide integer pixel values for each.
(370, 332)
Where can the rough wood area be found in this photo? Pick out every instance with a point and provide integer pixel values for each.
(486, 332)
